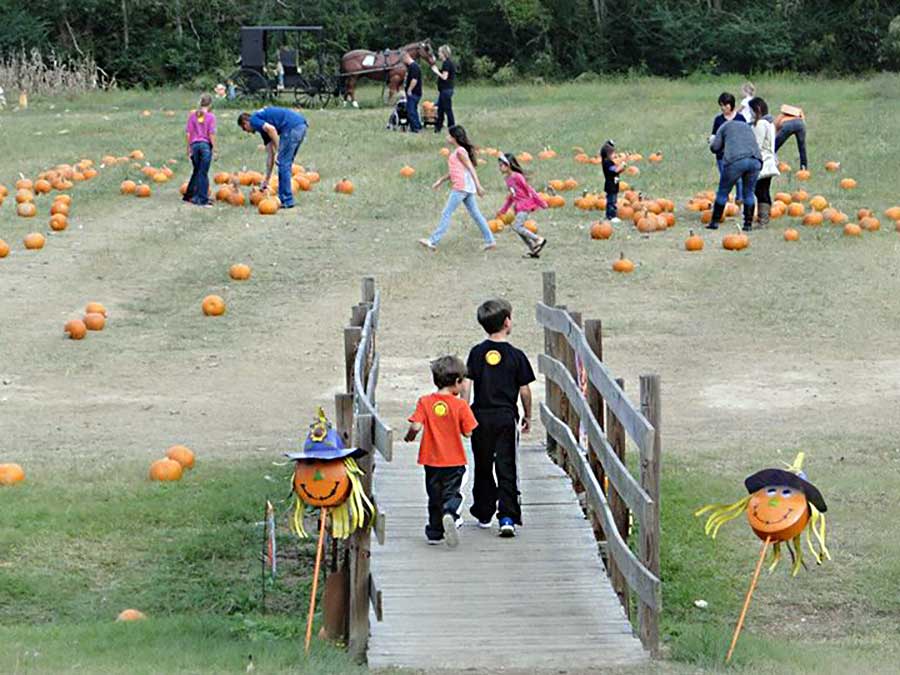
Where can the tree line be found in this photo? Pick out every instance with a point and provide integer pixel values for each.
(157, 42)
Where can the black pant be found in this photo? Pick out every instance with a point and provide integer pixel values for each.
(442, 483)
(494, 445)
(762, 190)
(445, 107)
(794, 127)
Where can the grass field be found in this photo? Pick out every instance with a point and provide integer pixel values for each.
(762, 353)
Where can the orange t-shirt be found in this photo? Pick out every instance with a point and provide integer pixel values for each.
(445, 419)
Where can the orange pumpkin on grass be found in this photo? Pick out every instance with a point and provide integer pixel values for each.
(95, 308)
(623, 265)
(239, 272)
(791, 234)
(601, 230)
(34, 241)
(58, 222)
(94, 321)
(143, 191)
(166, 470)
(10, 474)
(344, 187)
(4, 249)
(213, 305)
(693, 242)
(76, 329)
(26, 210)
(181, 454)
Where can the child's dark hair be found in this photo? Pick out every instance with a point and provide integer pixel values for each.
(492, 314)
(447, 371)
(459, 135)
(510, 160)
(759, 107)
(243, 118)
(607, 150)
(727, 99)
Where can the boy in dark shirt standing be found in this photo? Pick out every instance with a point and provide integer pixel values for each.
(500, 375)
(611, 172)
(412, 85)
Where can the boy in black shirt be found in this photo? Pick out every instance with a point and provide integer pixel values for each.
(500, 375)
(412, 85)
(611, 172)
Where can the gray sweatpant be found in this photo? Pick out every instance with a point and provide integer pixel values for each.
(530, 238)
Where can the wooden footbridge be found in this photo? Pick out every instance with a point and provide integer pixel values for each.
(574, 590)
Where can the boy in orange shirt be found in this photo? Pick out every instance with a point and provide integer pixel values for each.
(445, 418)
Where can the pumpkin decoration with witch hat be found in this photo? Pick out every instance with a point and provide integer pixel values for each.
(781, 504)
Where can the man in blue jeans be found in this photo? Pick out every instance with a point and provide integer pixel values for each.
(282, 131)
(413, 88)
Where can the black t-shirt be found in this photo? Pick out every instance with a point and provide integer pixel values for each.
(497, 370)
(413, 72)
(610, 177)
(450, 68)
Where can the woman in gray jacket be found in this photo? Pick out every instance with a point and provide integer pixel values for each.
(742, 162)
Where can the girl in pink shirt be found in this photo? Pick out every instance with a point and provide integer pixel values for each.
(200, 133)
(464, 186)
(524, 200)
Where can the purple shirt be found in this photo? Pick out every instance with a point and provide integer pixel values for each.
(200, 127)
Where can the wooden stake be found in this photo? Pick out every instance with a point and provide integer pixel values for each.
(315, 586)
(740, 623)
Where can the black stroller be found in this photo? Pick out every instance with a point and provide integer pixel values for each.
(399, 120)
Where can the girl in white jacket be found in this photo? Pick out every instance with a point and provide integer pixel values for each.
(764, 130)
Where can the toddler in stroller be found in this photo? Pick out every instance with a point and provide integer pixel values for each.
(398, 119)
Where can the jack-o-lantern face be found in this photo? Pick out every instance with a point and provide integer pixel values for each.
(322, 483)
(779, 512)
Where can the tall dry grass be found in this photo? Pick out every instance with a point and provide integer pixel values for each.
(39, 74)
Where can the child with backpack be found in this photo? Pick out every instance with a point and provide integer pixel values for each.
(523, 198)
(500, 376)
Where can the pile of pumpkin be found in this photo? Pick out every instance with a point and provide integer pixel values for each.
(178, 459)
(94, 319)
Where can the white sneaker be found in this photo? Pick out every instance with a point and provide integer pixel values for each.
(485, 524)
(451, 536)
(427, 244)
(616, 220)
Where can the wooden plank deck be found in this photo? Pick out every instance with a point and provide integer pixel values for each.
(541, 601)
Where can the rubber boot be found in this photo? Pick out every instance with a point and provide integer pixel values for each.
(748, 216)
(718, 210)
(763, 210)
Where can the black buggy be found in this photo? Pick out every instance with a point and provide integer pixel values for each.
(261, 78)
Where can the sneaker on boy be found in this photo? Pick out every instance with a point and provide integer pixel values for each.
(500, 375)
(444, 418)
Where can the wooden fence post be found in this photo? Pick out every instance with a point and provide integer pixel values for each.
(549, 299)
(571, 416)
(352, 338)
(593, 334)
(360, 543)
(615, 432)
(368, 289)
(648, 618)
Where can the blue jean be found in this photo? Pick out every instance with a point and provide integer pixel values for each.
(445, 107)
(612, 199)
(739, 193)
(412, 112)
(795, 127)
(289, 144)
(456, 198)
(743, 173)
(198, 187)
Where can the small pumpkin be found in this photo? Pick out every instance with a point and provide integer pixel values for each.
(321, 483)
(128, 187)
(802, 175)
(10, 474)
(832, 166)
(547, 153)
(693, 242)
(42, 186)
(26, 210)
(34, 241)
(601, 230)
(65, 199)
(819, 203)
(623, 265)
(632, 170)
(131, 615)
(556, 201)
(313, 177)
(166, 470)
(524, 157)
(795, 210)
(531, 226)
(58, 222)
(239, 272)
(737, 241)
(407, 171)
(732, 210)
(268, 206)
(852, 230)
(838, 218)
(655, 157)
(94, 321)
(495, 225)
(791, 234)
(870, 223)
(893, 213)
(95, 308)
(59, 207)
(236, 198)
(570, 184)
(24, 184)
(75, 328)
(445, 152)
(4, 249)
(813, 219)
(344, 187)
(181, 454)
(213, 305)
(848, 184)
(143, 191)
(221, 178)
(160, 177)
(24, 196)
(301, 183)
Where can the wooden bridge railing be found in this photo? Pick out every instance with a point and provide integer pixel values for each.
(605, 416)
(359, 422)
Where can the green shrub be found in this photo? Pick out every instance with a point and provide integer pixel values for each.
(505, 75)
(483, 67)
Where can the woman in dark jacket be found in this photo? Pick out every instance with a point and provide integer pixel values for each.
(446, 76)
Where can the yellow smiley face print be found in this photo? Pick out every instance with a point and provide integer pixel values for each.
(493, 357)
(440, 409)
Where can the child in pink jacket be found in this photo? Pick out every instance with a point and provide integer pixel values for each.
(524, 200)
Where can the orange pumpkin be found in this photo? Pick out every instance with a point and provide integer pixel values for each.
(239, 272)
(852, 230)
(4, 249)
(59, 207)
(236, 198)
(344, 187)
(838, 218)
(601, 230)
(832, 166)
(301, 183)
(623, 265)
(778, 512)
(802, 175)
(75, 329)
(42, 186)
(813, 219)
(783, 197)
(10, 474)
(791, 234)
(655, 157)
(94, 321)
(159, 177)
(143, 191)
(95, 308)
(870, 223)
(221, 178)
(800, 196)
(131, 615)
(819, 203)
(136, 155)
(23, 196)
(319, 483)
(524, 157)
(128, 187)
(213, 305)
(181, 454)
(495, 225)
(268, 206)
(796, 210)
(546, 153)
(166, 470)
(848, 184)
(531, 226)
(34, 241)
(893, 213)
(313, 177)
(556, 201)
(26, 210)
(407, 171)
(58, 222)
(693, 242)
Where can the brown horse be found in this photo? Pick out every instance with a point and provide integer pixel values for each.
(386, 66)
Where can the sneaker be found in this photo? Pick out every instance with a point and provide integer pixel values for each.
(507, 527)
(540, 246)
(434, 542)
(616, 220)
(451, 536)
(485, 524)
(427, 244)
(489, 247)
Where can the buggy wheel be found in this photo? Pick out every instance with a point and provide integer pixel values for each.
(250, 84)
